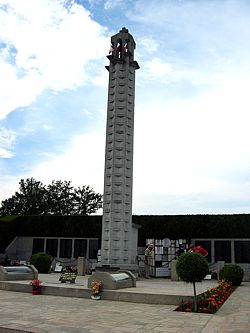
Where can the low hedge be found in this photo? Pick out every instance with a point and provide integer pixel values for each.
(42, 262)
(232, 273)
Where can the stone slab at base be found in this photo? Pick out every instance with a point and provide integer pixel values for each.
(14, 273)
(114, 280)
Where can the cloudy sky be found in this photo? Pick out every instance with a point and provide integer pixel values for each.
(192, 110)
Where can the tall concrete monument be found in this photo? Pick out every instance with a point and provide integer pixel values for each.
(119, 235)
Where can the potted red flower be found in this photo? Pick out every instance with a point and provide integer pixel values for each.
(96, 288)
(36, 286)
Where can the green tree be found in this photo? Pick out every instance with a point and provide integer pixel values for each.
(192, 267)
(58, 198)
(30, 200)
(86, 201)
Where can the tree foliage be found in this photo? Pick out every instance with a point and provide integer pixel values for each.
(192, 267)
(57, 198)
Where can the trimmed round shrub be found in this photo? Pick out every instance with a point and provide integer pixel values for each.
(192, 267)
(232, 273)
(42, 262)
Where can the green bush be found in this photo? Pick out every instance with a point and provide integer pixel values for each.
(42, 262)
(191, 267)
(232, 273)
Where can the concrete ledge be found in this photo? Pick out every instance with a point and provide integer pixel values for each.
(17, 273)
(15, 286)
(111, 295)
(144, 298)
(12, 330)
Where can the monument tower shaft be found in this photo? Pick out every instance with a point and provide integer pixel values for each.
(118, 237)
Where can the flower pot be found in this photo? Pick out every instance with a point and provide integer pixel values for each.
(96, 297)
(36, 292)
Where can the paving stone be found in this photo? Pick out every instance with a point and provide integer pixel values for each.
(52, 314)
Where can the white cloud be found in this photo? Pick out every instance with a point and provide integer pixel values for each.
(9, 185)
(192, 109)
(87, 113)
(4, 153)
(193, 148)
(190, 153)
(156, 68)
(111, 4)
(47, 127)
(52, 47)
(7, 141)
(101, 77)
(82, 163)
(197, 39)
(148, 44)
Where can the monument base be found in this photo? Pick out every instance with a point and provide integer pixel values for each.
(99, 267)
(113, 280)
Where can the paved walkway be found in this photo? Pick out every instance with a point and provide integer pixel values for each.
(40, 314)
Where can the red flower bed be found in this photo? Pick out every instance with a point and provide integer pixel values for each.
(211, 300)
